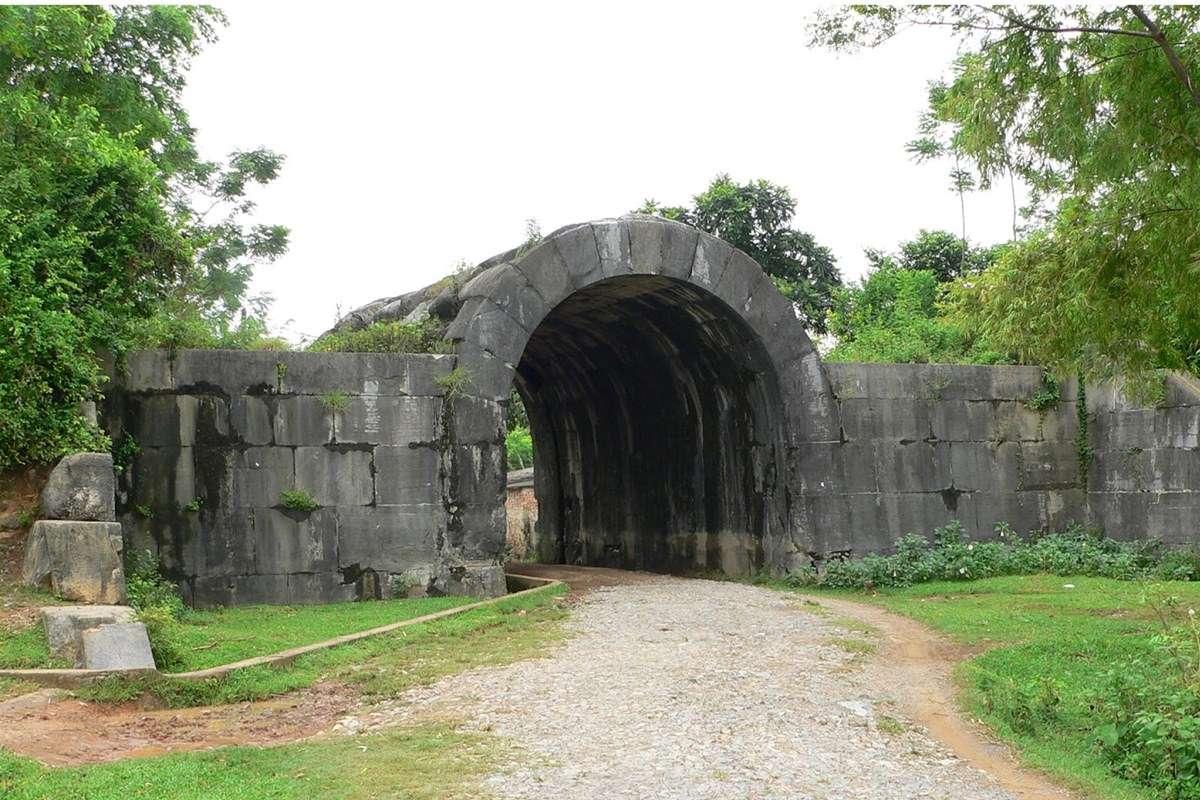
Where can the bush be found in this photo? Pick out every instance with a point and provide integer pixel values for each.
(386, 337)
(1151, 711)
(298, 500)
(1074, 551)
(158, 606)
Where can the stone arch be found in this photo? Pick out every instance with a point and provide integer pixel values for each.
(600, 310)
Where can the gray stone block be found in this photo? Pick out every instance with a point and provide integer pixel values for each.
(147, 371)
(123, 645)
(76, 560)
(646, 241)
(350, 373)
(251, 420)
(1049, 465)
(389, 538)
(612, 244)
(471, 579)
(336, 477)
(489, 377)
(708, 265)
(492, 329)
(913, 467)
(389, 420)
(407, 475)
(288, 542)
(261, 475)
(1178, 427)
(886, 418)
(985, 466)
(241, 590)
(81, 487)
(303, 420)
(65, 625)
(742, 274)
(510, 291)
(546, 272)
(323, 587)
(579, 255)
(231, 372)
(478, 421)
(422, 373)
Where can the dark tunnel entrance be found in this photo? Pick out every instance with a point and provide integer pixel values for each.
(657, 440)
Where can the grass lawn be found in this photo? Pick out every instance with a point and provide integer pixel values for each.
(427, 761)
(418, 762)
(511, 629)
(1044, 636)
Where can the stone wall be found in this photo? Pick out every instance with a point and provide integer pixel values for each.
(521, 510)
(221, 435)
(921, 445)
(1144, 474)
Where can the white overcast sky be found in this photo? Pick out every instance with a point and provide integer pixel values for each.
(418, 135)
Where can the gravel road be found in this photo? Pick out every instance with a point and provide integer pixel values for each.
(672, 688)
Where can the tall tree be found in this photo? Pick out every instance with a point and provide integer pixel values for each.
(756, 217)
(1097, 111)
(940, 252)
(113, 231)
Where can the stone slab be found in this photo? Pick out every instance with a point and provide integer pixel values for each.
(76, 560)
(65, 626)
(124, 645)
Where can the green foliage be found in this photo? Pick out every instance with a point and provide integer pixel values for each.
(454, 383)
(893, 316)
(158, 605)
(949, 557)
(144, 511)
(515, 414)
(334, 401)
(99, 182)
(125, 449)
(1096, 110)
(298, 500)
(1151, 709)
(756, 217)
(386, 337)
(947, 256)
(519, 446)
(1048, 394)
(194, 505)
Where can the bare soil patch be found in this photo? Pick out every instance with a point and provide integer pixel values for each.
(60, 731)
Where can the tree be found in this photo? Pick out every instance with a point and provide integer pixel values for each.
(894, 316)
(756, 217)
(1097, 111)
(103, 243)
(939, 252)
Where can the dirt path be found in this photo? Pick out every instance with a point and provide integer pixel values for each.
(675, 688)
(913, 657)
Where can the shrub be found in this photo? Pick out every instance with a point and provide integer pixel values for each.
(386, 337)
(1074, 551)
(298, 500)
(158, 605)
(455, 383)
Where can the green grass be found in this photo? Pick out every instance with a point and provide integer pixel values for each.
(416, 762)
(1038, 633)
(26, 649)
(512, 629)
(211, 638)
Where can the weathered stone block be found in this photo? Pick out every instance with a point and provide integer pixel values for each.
(612, 244)
(495, 331)
(1049, 465)
(81, 487)
(123, 645)
(742, 274)
(579, 255)
(336, 477)
(76, 560)
(389, 538)
(147, 371)
(478, 421)
(913, 467)
(888, 419)
(488, 376)
(646, 240)
(423, 372)
(389, 420)
(232, 374)
(251, 420)
(261, 475)
(985, 466)
(65, 625)
(235, 590)
(712, 255)
(407, 475)
(508, 288)
(288, 542)
(303, 420)
(471, 579)
(546, 272)
(225, 545)
(323, 587)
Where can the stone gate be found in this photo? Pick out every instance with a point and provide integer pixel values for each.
(682, 420)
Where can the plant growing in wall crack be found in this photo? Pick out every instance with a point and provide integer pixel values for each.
(298, 500)
(194, 506)
(334, 401)
(455, 383)
(1048, 395)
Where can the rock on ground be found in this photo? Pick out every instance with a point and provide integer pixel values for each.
(76, 560)
(694, 689)
(81, 487)
(123, 645)
(65, 626)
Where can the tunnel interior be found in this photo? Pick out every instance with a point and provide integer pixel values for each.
(657, 439)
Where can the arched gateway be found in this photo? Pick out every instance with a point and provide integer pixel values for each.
(681, 419)
(665, 378)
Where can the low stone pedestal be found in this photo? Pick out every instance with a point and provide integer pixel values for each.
(121, 646)
(65, 626)
(76, 560)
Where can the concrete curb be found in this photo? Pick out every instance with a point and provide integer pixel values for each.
(74, 678)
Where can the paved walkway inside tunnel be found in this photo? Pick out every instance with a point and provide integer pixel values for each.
(674, 688)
